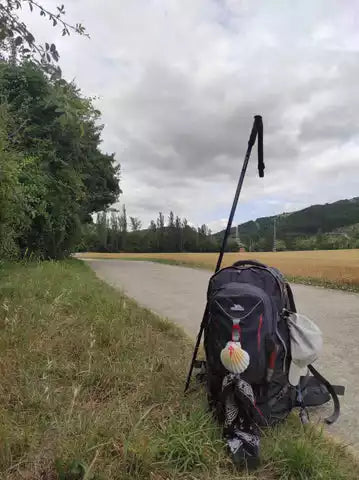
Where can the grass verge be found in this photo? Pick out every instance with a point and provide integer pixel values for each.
(316, 282)
(91, 389)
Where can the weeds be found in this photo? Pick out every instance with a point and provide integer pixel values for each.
(92, 389)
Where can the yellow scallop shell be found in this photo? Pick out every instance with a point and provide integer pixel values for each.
(234, 358)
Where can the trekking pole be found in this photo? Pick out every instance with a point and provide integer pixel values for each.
(257, 129)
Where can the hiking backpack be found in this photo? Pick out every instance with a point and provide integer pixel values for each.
(250, 302)
(250, 315)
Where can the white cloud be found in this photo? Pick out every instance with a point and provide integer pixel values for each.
(179, 82)
(218, 225)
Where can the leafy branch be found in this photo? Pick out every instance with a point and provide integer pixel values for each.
(23, 43)
(57, 18)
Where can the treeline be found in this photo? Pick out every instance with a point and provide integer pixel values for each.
(115, 231)
(327, 241)
(321, 241)
(52, 172)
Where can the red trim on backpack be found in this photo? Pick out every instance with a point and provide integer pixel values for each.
(272, 359)
(259, 411)
(259, 332)
(236, 327)
(257, 408)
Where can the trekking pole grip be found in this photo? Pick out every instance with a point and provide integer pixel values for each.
(253, 134)
(259, 127)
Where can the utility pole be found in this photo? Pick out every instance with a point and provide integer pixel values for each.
(275, 234)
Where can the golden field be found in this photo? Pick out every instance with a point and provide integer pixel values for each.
(339, 267)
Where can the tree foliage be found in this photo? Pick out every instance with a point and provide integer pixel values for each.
(110, 234)
(11, 194)
(50, 161)
(135, 224)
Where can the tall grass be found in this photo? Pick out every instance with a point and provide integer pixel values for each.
(91, 388)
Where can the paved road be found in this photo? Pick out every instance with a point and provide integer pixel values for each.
(178, 293)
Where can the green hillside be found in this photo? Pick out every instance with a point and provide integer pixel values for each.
(332, 225)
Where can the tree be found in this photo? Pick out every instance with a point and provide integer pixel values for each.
(161, 232)
(122, 223)
(49, 153)
(114, 232)
(151, 237)
(123, 220)
(189, 237)
(179, 235)
(305, 243)
(102, 231)
(136, 224)
(171, 220)
(281, 246)
(62, 175)
(232, 245)
(170, 245)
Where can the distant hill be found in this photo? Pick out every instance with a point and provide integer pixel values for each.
(319, 221)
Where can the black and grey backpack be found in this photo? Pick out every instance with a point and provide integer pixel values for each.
(250, 303)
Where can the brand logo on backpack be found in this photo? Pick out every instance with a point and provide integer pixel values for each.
(237, 308)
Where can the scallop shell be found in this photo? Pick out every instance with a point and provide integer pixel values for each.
(234, 358)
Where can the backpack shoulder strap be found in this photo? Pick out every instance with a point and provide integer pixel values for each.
(332, 418)
(287, 297)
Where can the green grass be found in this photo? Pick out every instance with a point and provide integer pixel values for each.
(317, 282)
(91, 388)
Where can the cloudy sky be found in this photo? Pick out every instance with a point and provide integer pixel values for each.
(178, 83)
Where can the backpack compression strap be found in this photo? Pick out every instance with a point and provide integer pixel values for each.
(290, 296)
(332, 418)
